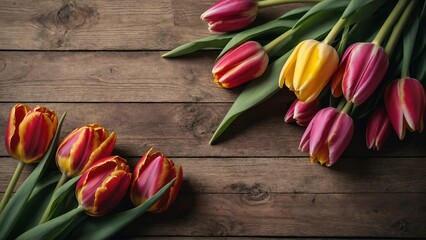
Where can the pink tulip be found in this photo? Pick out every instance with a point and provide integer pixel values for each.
(230, 15)
(240, 65)
(378, 129)
(327, 136)
(405, 104)
(302, 113)
(362, 68)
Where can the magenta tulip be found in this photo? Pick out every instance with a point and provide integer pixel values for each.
(362, 68)
(302, 113)
(103, 185)
(240, 65)
(230, 15)
(378, 129)
(327, 136)
(405, 105)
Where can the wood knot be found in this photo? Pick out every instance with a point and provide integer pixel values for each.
(400, 226)
(256, 192)
(73, 16)
(198, 121)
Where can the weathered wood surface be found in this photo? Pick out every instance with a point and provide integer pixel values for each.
(184, 129)
(105, 25)
(255, 182)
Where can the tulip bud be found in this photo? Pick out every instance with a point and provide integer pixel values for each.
(240, 65)
(82, 147)
(362, 68)
(29, 132)
(302, 113)
(230, 15)
(151, 174)
(327, 136)
(102, 186)
(378, 129)
(405, 105)
(308, 69)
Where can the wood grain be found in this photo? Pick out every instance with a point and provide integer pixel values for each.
(320, 215)
(184, 129)
(106, 25)
(108, 77)
(258, 176)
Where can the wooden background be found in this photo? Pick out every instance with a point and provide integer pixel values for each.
(100, 61)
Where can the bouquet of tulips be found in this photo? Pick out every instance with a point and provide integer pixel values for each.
(90, 183)
(344, 60)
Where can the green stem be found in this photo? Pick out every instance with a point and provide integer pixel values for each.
(393, 16)
(11, 185)
(46, 213)
(396, 33)
(341, 104)
(268, 47)
(268, 3)
(334, 31)
(347, 107)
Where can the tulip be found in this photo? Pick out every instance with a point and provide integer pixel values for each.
(230, 15)
(327, 136)
(29, 132)
(151, 174)
(405, 105)
(378, 129)
(82, 147)
(362, 68)
(308, 69)
(103, 185)
(240, 65)
(302, 113)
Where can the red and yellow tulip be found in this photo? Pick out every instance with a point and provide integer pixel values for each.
(240, 65)
(152, 173)
(378, 129)
(29, 132)
(82, 147)
(103, 185)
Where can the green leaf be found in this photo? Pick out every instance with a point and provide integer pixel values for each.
(321, 8)
(33, 209)
(216, 41)
(106, 226)
(60, 196)
(256, 92)
(358, 10)
(408, 42)
(53, 228)
(12, 212)
(277, 26)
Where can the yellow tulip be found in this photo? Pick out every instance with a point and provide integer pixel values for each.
(308, 69)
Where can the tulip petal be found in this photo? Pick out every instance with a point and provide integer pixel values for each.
(394, 110)
(17, 115)
(412, 98)
(324, 120)
(339, 137)
(287, 72)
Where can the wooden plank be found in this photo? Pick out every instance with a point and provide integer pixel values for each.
(106, 25)
(109, 77)
(257, 176)
(320, 215)
(181, 129)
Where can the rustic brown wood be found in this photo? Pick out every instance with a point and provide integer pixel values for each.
(108, 77)
(184, 129)
(286, 175)
(106, 25)
(321, 215)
